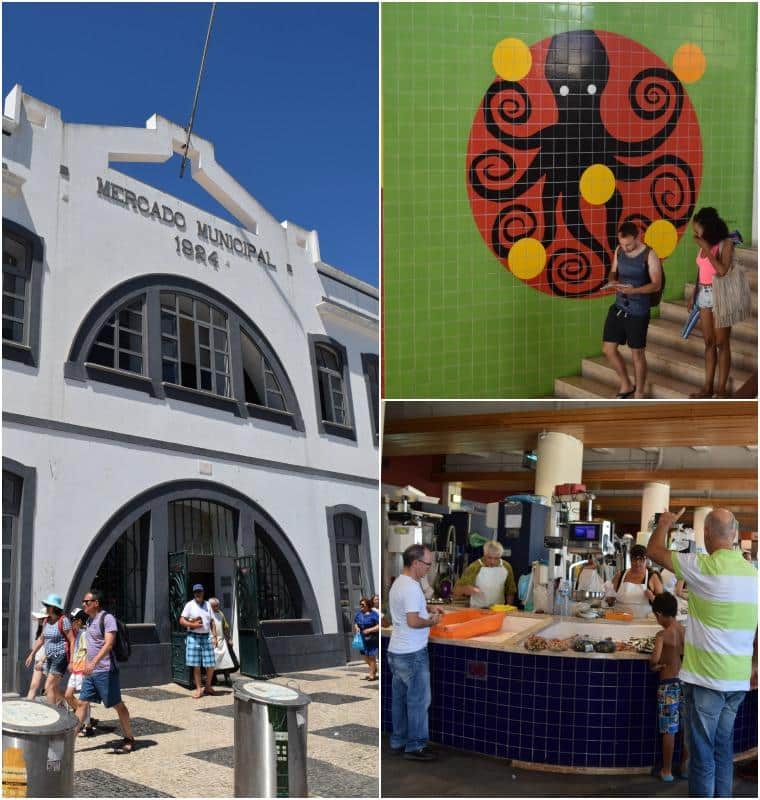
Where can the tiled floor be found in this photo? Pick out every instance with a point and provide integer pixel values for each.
(97, 783)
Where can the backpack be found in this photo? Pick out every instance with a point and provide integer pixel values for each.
(65, 638)
(122, 649)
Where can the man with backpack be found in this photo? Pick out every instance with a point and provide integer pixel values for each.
(637, 276)
(101, 671)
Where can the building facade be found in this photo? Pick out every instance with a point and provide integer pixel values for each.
(184, 400)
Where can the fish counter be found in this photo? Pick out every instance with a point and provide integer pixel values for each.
(538, 692)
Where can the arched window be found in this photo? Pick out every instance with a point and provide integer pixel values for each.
(332, 386)
(172, 336)
(278, 596)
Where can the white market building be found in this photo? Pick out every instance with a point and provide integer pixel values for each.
(183, 400)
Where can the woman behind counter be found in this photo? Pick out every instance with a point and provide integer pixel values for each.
(637, 586)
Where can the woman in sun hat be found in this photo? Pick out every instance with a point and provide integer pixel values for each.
(39, 661)
(56, 634)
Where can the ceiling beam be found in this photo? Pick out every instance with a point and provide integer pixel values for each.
(626, 425)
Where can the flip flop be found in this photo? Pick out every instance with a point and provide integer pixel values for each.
(667, 778)
(198, 693)
(210, 691)
(626, 395)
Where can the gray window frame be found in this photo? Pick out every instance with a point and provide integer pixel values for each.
(152, 286)
(29, 351)
(327, 426)
(369, 361)
(117, 349)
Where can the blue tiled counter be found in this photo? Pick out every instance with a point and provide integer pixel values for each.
(565, 710)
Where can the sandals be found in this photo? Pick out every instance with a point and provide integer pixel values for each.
(626, 395)
(702, 394)
(128, 744)
(210, 691)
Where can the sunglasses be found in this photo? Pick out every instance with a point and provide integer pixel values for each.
(87, 602)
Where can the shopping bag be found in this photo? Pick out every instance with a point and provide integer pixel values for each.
(357, 643)
(732, 299)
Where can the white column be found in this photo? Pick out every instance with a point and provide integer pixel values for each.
(560, 460)
(655, 500)
(699, 526)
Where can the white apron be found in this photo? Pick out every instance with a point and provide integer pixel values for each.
(490, 581)
(223, 657)
(631, 597)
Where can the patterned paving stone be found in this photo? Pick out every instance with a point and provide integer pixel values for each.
(222, 711)
(334, 699)
(218, 755)
(152, 694)
(149, 727)
(98, 783)
(361, 734)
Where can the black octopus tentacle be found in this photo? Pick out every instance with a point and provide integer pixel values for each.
(626, 172)
(568, 272)
(491, 175)
(512, 223)
(518, 113)
(614, 208)
(647, 146)
(573, 219)
(549, 204)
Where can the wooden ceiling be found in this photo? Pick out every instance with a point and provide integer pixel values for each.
(663, 424)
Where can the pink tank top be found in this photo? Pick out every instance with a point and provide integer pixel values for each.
(706, 269)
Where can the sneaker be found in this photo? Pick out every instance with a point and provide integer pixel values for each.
(424, 754)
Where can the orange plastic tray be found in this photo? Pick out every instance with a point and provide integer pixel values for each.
(466, 624)
(621, 616)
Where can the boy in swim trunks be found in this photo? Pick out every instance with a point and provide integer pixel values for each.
(666, 659)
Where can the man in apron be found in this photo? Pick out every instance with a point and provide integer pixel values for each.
(489, 580)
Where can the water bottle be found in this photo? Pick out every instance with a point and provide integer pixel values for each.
(563, 604)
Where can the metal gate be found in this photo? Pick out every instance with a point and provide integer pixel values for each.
(177, 599)
(249, 629)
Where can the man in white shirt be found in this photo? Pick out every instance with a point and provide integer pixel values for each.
(198, 618)
(408, 656)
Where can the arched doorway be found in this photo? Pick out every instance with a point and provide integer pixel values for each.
(148, 555)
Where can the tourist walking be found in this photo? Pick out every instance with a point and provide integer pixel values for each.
(367, 623)
(58, 640)
(716, 249)
(720, 652)
(38, 674)
(101, 682)
(79, 620)
(201, 639)
(225, 663)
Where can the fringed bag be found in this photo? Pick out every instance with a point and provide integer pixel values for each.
(732, 298)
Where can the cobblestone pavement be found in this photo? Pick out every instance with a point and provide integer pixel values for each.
(185, 746)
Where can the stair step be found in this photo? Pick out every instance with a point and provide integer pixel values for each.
(677, 311)
(682, 365)
(578, 387)
(688, 290)
(659, 386)
(668, 333)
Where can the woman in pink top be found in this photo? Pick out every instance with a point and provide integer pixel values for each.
(714, 257)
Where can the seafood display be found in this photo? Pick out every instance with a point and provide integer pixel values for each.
(642, 644)
(536, 643)
(588, 644)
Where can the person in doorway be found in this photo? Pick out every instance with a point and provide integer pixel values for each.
(636, 587)
(225, 664)
(589, 579)
(408, 661)
(58, 641)
(38, 674)
(720, 651)
(367, 622)
(716, 249)
(79, 620)
(201, 639)
(488, 580)
(636, 274)
(101, 681)
(666, 659)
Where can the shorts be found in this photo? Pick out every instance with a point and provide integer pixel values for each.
(75, 681)
(669, 705)
(198, 650)
(621, 327)
(704, 298)
(56, 665)
(101, 687)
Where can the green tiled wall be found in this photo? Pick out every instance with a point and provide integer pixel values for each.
(456, 322)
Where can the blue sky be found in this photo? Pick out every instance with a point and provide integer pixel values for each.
(289, 98)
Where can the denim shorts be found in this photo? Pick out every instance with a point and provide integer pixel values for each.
(102, 687)
(56, 665)
(704, 297)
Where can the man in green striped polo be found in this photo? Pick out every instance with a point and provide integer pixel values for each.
(720, 652)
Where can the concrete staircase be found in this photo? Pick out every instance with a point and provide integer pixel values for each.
(675, 366)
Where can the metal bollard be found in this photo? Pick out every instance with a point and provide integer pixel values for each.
(270, 740)
(38, 750)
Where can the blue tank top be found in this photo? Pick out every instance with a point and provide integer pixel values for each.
(633, 270)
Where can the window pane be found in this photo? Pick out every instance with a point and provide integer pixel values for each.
(13, 331)
(220, 320)
(220, 362)
(14, 284)
(353, 553)
(187, 352)
(128, 319)
(206, 380)
(130, 341)
(168, 324)
(6, 562)
(329, 358)
(253, 371)
(99, 354)
(205, 356)
(169, 372)
(356, 576)
(202, 311)
(186, 305)
(203, 336)
(106, 334)
(220, 340)
(324, 397)
(169, 347)
(222, 385)
(275, 400)
(13, 307)
(130, 362)
(168, 300)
